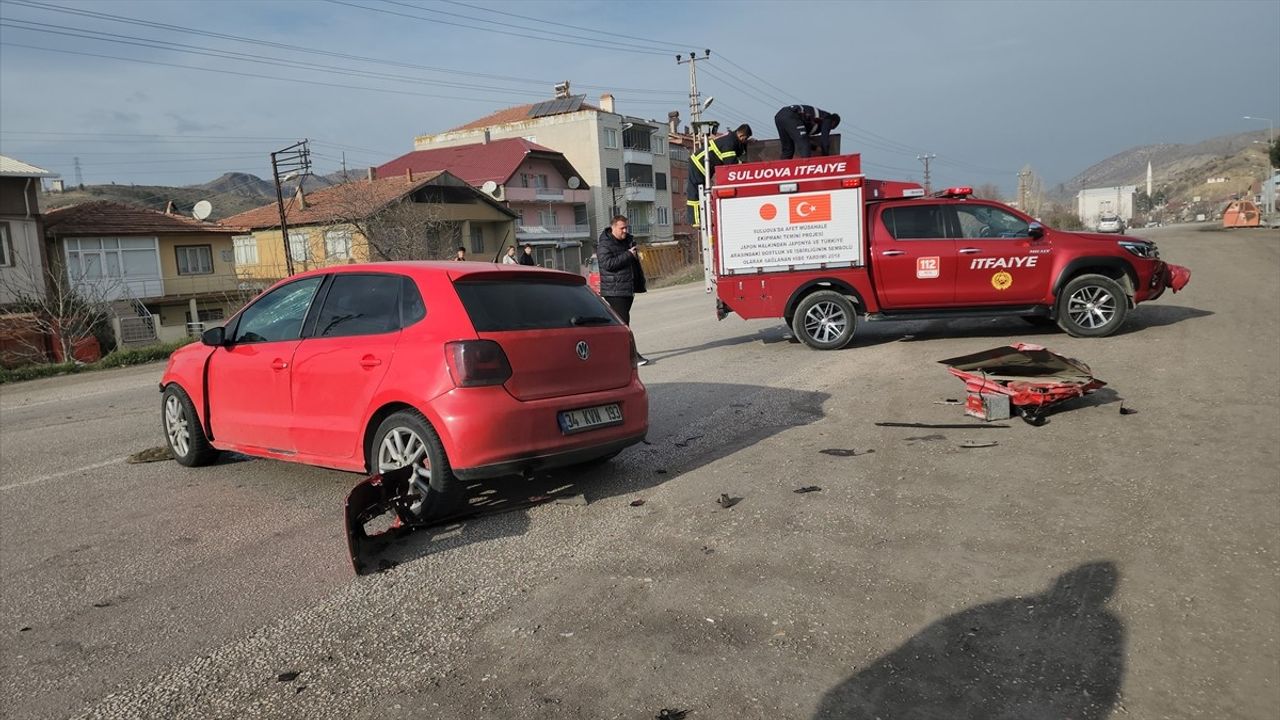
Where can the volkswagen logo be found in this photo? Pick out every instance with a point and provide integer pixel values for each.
(584, 352)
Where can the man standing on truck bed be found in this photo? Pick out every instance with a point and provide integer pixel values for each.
(727, 149)
(800, 125)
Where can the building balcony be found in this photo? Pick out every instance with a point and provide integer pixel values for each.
(640, 192)
(552, 232)
(641, 228)
(563, 195)
(637, 156)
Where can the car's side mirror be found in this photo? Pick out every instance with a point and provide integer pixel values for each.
(214, 337)
(1035, 230)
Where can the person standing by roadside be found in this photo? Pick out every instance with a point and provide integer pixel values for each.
(461, 255)
(526, 258)
(510, 257)
(621, 275)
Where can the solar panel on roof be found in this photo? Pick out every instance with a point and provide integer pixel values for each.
(559, 106)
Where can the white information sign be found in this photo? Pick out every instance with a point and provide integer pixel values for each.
(793, 230)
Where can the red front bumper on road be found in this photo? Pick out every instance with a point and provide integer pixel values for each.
(1177, 276)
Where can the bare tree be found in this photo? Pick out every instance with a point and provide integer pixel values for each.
(412, 227)
(68, 311)
(987, 191)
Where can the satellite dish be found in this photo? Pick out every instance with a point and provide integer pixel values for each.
(489, 187)
(574, 183)
(202, 210)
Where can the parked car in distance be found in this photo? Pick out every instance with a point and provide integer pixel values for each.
(593, 274)
(1111, 224)
(463, 371)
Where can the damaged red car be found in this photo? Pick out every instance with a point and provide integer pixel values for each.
(461, 371)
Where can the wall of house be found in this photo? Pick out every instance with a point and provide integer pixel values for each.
(19, 196)
(25, 274)
(222, 279)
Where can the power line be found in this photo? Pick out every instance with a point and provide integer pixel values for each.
(302, 49)
(598, 31)
(248, 75)
(524, 35)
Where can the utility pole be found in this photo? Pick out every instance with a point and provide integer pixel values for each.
(1024, 189)
(295, 160)
(79, 176)
(695, 101)
(928, 188)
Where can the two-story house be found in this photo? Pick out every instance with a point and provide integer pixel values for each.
(623, 158)
(539, 184)
(165, 275)
(22, 253)
(413, 216)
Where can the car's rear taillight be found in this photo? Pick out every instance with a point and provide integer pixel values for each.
(475, 363)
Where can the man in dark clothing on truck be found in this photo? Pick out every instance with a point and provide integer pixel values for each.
(802, 125)
(724, 150)
(621, 276)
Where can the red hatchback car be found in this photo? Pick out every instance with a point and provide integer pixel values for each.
(462, 370)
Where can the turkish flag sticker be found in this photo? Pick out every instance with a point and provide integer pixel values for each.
(811, 208)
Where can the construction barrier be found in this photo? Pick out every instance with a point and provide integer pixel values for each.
(660, 259)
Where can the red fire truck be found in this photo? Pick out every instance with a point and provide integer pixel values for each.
(815, 242)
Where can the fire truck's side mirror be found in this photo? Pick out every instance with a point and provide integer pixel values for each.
(1035, 230)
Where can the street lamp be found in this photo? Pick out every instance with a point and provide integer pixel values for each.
(1270, 199)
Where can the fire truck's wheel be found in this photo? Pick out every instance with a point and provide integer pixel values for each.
(1092, 306)
(405, 438)
(183, 431)
(824, 320)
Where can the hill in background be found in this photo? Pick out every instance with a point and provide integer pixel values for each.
(229, 194)
(1183, 172)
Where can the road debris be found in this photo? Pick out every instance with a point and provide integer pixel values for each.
(150, 455)
(637, 502)
(807, 489)
(726, 502)
(844, 452)
(686, 441)
(665, 714)
(288, 676)
(1127, 411)
(1029, 377)
(926, 438)
(576, 500)
(948, 401)
(978, 443)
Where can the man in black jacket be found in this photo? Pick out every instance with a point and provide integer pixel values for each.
(621, 275)
(526, 257)
(799, 126)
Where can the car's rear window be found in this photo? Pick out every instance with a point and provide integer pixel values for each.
(498, 305)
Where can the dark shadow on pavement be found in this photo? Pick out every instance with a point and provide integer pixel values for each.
(1157, 315)
(1051, 656)
(766, 336)
(698, 424)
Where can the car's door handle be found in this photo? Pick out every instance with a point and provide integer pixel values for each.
(893, 253)
(970, 251)
(279, 364)
(369, 361)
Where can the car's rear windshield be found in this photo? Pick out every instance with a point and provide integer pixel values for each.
(501, 305)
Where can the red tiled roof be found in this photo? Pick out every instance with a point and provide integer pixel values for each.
(509, 115)
(496, 160)
(360, 199)
(103, 217)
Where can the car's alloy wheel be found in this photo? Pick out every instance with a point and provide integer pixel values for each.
(406, 439)
(1092, 306)
(824, 320)
(182, 429)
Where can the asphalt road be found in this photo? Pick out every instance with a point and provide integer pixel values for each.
(1101, 565)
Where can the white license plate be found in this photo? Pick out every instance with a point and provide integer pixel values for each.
(574, 421)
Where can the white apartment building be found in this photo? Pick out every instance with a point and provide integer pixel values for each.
(624, 159)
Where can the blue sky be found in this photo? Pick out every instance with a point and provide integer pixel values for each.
(986, 86)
